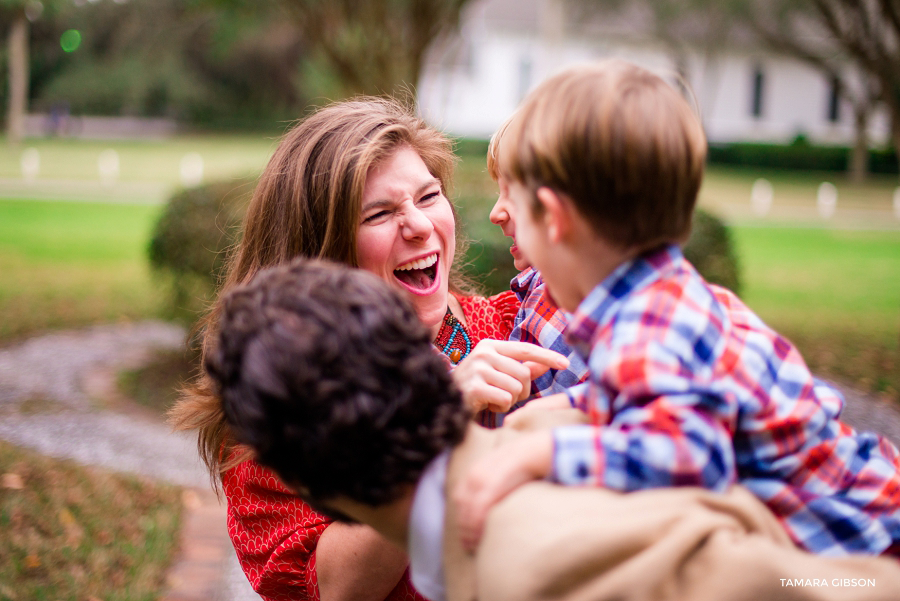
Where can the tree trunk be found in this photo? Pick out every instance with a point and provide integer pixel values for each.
(18, 80)
(859, 158)
(895, 133)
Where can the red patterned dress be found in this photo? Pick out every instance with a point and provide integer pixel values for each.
(275, 534)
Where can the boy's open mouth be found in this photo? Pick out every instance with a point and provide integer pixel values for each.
(418, 276)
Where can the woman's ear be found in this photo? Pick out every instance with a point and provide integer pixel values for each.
(557, 215)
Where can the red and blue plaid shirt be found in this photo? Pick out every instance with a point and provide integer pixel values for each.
(688, 387)
(539, 321)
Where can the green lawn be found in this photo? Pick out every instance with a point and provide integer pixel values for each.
(847, 278)
(73, 248)
(835, 293)
(65, 264)
(148, 170)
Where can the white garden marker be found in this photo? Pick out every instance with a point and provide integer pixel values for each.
(826, 200)
(108, 166)
(31, 164)
(191, 170)
(761, 195)
(897, 203)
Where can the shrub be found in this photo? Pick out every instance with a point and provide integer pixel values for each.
(489, 263)
(191, 240)
(800, 155)
(711, 251)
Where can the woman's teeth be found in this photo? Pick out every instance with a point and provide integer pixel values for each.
(419, 274)
(419, 263)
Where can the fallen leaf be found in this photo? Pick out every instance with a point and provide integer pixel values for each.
(13, 481)
(74, 532)
(32, 561)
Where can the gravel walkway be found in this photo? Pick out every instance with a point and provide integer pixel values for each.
(47, 404)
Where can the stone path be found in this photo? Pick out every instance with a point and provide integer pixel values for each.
(50, 392)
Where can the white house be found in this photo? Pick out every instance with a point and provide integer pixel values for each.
(471, 83)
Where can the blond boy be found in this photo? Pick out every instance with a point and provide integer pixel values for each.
(687, 386)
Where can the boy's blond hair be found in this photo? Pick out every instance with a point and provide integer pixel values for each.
(623, 145)
(493, 152)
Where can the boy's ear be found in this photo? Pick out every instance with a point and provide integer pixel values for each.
(557, 214)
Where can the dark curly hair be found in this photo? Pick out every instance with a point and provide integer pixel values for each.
(328, 375)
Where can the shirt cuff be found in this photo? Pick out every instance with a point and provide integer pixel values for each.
(577, 456)
(577, 395)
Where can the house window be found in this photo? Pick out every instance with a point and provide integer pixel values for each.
(834, 100)
(756, 101)
(524, 82)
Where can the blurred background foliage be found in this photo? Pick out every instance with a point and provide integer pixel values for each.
(224, 64)
(183, 59)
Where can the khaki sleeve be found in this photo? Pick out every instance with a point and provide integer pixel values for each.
(548, 542)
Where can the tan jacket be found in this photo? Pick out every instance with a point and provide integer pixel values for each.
(548, 542)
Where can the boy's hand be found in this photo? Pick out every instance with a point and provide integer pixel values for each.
(498, 373)
(527, 457)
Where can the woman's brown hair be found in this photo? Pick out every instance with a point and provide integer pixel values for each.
(306, 204)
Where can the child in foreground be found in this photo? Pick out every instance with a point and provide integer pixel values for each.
(329, 376)
(687, 386)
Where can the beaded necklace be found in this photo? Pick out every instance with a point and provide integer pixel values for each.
(453, 339)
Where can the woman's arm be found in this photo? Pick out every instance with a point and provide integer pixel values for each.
(354, 563)
(289, 551)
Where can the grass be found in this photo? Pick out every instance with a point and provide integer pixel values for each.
(835, 293)
(72, 533)
(67, 264)
(726, 191)
(140, 161)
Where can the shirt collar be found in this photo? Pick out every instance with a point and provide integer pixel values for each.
(596, 308)
(426, 531)
(522, 284)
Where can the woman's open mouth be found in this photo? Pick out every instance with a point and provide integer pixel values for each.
(419, 276)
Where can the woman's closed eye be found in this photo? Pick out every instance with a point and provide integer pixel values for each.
(375, 216)
(430, 197)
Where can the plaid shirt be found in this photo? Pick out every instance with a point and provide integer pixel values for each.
(687, 386)
(539, 321)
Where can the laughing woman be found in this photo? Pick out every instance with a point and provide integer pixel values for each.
(364, 183)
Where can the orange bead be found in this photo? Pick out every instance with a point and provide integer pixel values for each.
(455, 355)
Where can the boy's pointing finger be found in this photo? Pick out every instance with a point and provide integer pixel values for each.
(525, 351)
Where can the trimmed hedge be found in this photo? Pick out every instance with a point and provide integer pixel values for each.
(711, 250)
(800, 155)
(190, 242)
